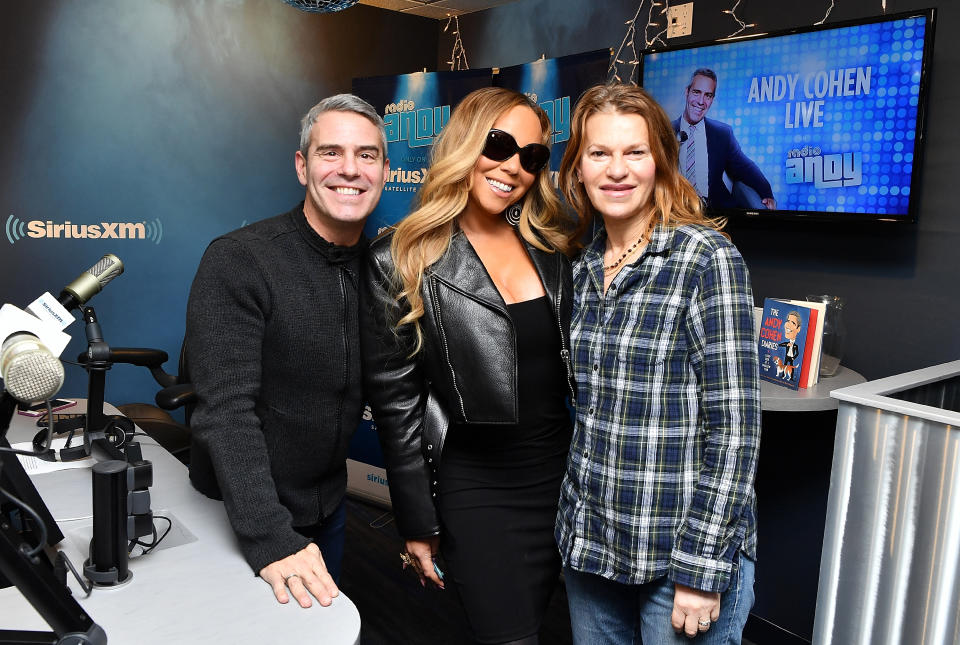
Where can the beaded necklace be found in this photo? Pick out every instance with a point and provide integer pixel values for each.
(623, 257)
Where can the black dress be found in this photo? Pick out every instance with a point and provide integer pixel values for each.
(498, 489)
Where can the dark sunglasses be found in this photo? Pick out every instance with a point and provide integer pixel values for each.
(501, 145)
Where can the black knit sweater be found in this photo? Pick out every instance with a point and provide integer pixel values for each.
(272, 344)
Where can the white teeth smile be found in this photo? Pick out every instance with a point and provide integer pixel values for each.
(347, 191)
(499, 185)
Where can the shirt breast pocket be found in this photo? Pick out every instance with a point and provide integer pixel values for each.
(652, 338)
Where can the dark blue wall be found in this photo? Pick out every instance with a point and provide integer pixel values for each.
(900, 285)
(183, 115)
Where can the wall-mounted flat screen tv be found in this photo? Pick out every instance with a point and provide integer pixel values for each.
(822, 123)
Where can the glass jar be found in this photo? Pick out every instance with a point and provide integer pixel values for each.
(834, 333)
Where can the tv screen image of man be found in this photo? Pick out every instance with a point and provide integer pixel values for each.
(271, 345)
(709, 150)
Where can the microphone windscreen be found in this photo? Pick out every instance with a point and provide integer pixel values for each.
(30, 372)
(93, 280)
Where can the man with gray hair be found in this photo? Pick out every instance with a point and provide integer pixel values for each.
(710, 155)
(271, 345)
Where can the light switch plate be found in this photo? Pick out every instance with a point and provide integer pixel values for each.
(680, 20)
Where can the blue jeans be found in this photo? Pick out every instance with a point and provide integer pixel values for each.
(328, 535)
(604, 612)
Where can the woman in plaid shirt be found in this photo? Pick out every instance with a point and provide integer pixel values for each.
(657, 518)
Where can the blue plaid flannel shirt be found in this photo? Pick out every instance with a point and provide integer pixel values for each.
(660, 475)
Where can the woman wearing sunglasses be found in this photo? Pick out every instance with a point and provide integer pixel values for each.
(657, 523)
(464, 323)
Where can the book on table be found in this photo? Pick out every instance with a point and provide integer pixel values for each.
(790, 335)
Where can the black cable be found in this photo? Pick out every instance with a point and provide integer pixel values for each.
(63, 559)
(136, 541)
(28, 453)
(36, 518)
(47, 442)
(150, 546)
(157, 540)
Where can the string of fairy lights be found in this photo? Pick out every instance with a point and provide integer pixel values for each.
(627, 56)
(650, 23)
(458, 57)
(830, 8)
(742, 26)
(629, 45)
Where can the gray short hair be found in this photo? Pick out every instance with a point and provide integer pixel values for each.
(341, 103)
(705, 72)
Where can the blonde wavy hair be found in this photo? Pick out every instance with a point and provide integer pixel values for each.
(422, 238)
(674, 200)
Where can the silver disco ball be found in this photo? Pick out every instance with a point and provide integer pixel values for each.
(321, 6)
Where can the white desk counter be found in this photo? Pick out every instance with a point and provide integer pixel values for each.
(194, 588)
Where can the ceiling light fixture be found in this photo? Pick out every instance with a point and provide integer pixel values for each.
(321, 6)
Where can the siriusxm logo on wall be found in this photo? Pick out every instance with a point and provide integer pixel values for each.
(18, 230)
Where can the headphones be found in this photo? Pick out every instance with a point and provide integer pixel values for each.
(119, 431)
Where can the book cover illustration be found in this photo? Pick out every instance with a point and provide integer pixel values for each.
(783, 342)
(810, 375)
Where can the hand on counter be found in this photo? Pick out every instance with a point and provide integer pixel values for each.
(301, 574)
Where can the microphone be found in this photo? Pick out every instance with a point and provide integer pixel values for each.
(30, 371)
(56, 311)
(682, 136)
(29, 366)
(91, 282)
(47, 329)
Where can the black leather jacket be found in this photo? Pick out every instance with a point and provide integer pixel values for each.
(466, 371)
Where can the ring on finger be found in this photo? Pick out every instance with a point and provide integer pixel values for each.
(703, 624)
(287, 577)
(406, 559)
